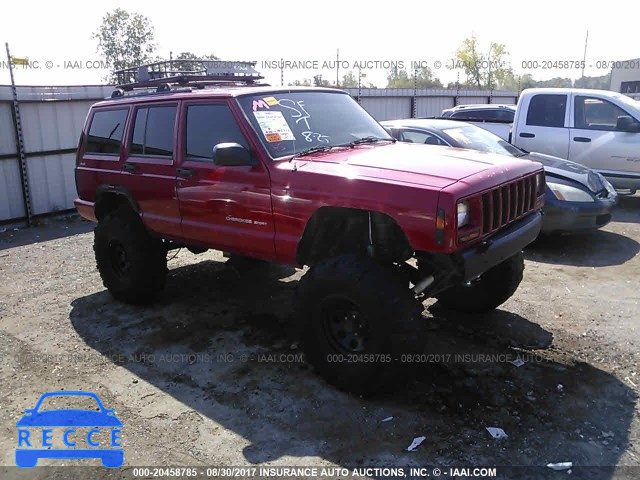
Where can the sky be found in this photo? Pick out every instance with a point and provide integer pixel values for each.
(430, 32)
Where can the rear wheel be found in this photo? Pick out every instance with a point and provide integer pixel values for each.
(487, 292)
(357, 320)
(132, 263)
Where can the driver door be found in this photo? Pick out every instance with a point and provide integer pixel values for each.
(223, 207)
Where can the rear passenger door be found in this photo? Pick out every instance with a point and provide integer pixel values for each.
(543, 130)
(222, 207)
(149, 169)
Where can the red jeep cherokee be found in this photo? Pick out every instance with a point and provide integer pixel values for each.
(305, 176)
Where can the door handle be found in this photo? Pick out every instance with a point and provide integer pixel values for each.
(186, 172)
(581, 139)
(130, 167)
(527, 135)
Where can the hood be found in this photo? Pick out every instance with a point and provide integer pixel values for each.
(426, 165)
(558, 167)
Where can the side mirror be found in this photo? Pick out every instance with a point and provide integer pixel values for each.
(231, 155)
(626, 123)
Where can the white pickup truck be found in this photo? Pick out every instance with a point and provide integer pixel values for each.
(597, 128)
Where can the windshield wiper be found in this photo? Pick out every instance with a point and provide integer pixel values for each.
(317, 148)
(371, 139)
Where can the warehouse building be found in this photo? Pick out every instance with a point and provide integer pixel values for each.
(625, 77)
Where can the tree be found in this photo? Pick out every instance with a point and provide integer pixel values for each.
(482, 70)
(190, 56)
(602, 83)
(423, 78)
(318, 81)
(300, 83)
(349, 80)
(125, 39)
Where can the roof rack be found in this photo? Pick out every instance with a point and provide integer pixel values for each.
(197, 73)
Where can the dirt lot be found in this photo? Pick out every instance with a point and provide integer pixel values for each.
(211, 374)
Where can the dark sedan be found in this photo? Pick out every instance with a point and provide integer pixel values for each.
(577, 198)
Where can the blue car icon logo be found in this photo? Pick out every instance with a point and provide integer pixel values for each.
(35, 433)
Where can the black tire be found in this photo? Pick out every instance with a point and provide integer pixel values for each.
(379, 316)
(490, 290)
(132, 263)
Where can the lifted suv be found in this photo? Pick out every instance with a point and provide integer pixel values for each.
(305, 176)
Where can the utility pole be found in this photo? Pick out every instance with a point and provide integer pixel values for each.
(17, 123)
(414, 111)
(584, 57)
(337, 67)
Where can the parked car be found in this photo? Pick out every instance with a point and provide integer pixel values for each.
(596, 128)
(577, 198)
(302, 176)
(496, 118)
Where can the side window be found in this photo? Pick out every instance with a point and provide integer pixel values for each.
(105, 132)
(596, 113)
(208, 125)
(547, 110)
(472, 115)
(153, 131)
(411, 136)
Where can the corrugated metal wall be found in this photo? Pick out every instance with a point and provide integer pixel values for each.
(52, 118)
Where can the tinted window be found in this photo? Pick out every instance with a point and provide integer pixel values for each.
(547, 110)
(596, 114)
(153, 131)
(208, 125)
(105, 133)
(474, 115)
(412, 136)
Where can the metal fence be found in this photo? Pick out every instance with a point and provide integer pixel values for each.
(52, 117)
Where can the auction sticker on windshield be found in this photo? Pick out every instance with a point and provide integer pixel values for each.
(274, 126)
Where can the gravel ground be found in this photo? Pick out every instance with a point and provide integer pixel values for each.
(211, 374)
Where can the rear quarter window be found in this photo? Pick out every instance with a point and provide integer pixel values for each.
(106, 131)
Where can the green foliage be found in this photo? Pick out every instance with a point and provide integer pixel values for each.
(125, 39)
(318, 81)
(482, 70)
(190, 56)
(349, 80)
(601, 83)
(422, 78)
(306, 82)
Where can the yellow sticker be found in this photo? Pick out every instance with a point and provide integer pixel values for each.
(271, 101)
(273, 137)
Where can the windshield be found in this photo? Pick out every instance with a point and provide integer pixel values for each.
(291, 122)
(477, 138)
(630, 102)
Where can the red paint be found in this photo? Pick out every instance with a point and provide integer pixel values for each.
(408, 182)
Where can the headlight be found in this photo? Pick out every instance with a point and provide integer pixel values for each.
(606, 183)
(463, 214)
(569, 194)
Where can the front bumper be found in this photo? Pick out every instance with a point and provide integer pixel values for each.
(560, 217)
(496, 249)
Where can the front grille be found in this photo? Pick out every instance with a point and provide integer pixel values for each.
(506, 203)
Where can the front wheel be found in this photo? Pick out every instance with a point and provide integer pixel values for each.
(357, 320)
(487, 292)
(132, 263)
